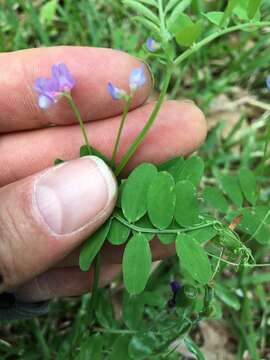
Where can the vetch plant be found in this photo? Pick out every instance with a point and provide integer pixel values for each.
(211, 225)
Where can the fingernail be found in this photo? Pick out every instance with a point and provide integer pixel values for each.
(74, 194)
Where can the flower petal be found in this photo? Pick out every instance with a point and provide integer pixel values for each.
(137, 78)
(44, 102)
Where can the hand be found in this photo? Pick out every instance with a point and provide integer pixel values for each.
(46, 212)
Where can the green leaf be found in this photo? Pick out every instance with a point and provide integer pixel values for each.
(120, 349)
(145, 223)
(179, 23)
(248, 185)
(241, 10)
(255, 226)
(171, 4)
(192, 170)
(167, 239)
(188, 35)
(86, 151)
(91, 348)
(118, 233)
(228, 11)
(132, 310)
(149, 2)
(48, 10)
(216, 198)
(58, 161)
(193, 258)
(92, 246)
(173, 166)
(142, 345)
(161, 200)
(178, 10)
(104, 310)
(231, 187)
(203, 235)
(194, 349)
(253, 8)
(227, 296)
(186, 208)
(215, 17)
(148, 24)
(136, 264)
(142, 10)
(134, 195)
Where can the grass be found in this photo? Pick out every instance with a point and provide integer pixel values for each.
(232, 70)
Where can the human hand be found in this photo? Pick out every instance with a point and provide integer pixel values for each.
(46, 212)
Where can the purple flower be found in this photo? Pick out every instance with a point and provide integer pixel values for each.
(175, 286)
(137, 78)
(115, 92)
(268, 82)
(65, 80)
(152, 45)
(51, 90)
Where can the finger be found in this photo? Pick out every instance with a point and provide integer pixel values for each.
(92, 69)
(45, 216)
(63, 282)
(179, 129)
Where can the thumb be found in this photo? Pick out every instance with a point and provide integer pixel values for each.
(47, 215)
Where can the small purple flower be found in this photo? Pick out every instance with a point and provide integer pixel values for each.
(137, 78)
(152, 45)
(175, 286)
(65, 80)
(268, 82)
(115, 92)
(51, 90)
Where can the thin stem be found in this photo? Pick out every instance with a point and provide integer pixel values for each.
(214, 36)
(94, 298)
(167, 231)
(148, 125)
(218, 264)
(237, 264)
(118, 136)
(41, 340)
(79, 118)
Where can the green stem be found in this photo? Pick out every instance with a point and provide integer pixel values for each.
(148, 125)
(214, 36)
(114, 331)
(80, 120)
(218, 265)
(123, 119)
(167, 231)
(162, 18)
(41, 340)
(94, 297)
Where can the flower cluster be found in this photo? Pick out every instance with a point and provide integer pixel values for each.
(136, 81)
(51, 90)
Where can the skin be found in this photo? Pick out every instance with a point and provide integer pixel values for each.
(33, 263)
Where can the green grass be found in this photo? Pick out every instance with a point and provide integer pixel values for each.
(235, 67)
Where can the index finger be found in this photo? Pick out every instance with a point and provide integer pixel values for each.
(92, 69)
